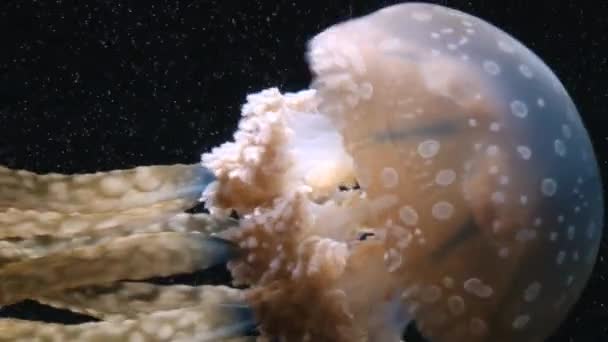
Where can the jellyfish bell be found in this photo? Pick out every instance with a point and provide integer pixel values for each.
(436, 172)
(479, 189)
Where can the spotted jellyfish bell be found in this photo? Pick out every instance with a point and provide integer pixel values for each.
(495, 199)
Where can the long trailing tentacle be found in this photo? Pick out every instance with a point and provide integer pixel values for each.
(103, 191)
(25, 224)
(52, 232)
(135, 257)
(199, 323)
(71, 241)
(128, 300)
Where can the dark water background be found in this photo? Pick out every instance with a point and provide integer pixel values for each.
(99, 85)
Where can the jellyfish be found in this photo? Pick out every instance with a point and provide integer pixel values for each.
(435, 172)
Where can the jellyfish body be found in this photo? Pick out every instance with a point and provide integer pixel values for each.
(484, 155)
(477, 214)
(478, 187)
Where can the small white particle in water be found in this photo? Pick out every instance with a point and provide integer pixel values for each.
(428, 148)
(519, 109)
(560, 147)
(491, 68)
(524, 152)
(408, 215)
(389, 177)
(435, 35)
(503, 180)
(494, 127)
(537, 222)
(447, 30)
(532, 292)
(521, 321)
(472, 122)
(523, 199)
(525, 70)
(548, 187)
(448, 282)
(445, 177)
(442, 210)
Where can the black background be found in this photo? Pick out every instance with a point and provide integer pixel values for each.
(98, 85)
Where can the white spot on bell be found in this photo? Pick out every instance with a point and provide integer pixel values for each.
(548, 187)
(521, 321)
(526, 71)
(519, 109)
(428, 148)
(524, 152)
(491, 68)
(445, 177)
(408, 215)
(442, 210)
(422, 16)
(560, 147)
(476, 287)
(389, 177)
(532, 292)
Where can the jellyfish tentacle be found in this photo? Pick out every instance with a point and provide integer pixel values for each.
(51, 235)
(147, 255)
(127, 300)
(199, 323)
(103, 191)
(30, 223)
